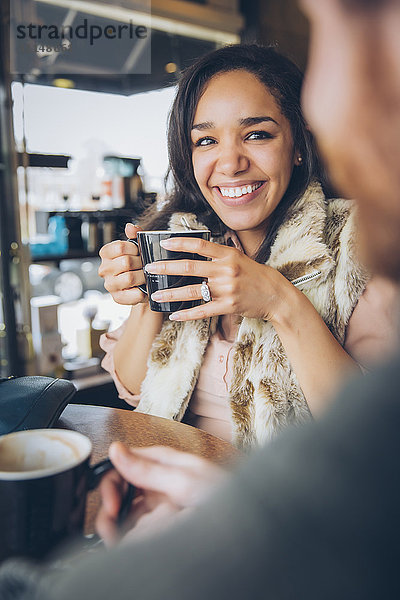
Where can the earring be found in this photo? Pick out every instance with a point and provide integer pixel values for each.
(299, 160)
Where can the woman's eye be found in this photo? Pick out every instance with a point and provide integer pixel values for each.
(204, 141)
(259, 135)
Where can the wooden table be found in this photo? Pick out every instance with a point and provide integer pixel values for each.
(105, 425)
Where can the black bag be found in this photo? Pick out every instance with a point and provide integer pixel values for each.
(32, 402)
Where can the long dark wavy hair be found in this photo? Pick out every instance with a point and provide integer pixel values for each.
(283, 80)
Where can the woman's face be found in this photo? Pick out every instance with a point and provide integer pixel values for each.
(242, 151)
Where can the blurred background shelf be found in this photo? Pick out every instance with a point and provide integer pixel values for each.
(59, 257)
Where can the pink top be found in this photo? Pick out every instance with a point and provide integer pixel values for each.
(370, 336)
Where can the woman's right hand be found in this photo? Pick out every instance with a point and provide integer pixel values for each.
(122, 269)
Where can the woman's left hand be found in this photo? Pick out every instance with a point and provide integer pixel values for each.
(238, 284)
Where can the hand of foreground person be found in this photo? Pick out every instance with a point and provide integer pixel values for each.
(168, 481)
(238, 284)
(122, 269)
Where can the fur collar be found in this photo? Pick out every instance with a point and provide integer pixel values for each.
(316, 239)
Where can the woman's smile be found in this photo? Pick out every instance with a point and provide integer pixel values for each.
(240, 194)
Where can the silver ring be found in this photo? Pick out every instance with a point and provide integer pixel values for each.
(205, 292)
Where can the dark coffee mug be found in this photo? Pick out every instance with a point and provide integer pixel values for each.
(44, 479)
(148, 243)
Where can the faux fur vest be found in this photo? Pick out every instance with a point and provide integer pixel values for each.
(316, 242)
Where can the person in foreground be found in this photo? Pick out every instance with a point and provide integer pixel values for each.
(314, 515)
(290, 315)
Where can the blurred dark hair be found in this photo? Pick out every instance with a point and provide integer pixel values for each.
(284, 81)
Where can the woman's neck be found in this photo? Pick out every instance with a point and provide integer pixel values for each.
(251, 241)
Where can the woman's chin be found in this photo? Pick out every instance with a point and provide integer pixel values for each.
(239, 225)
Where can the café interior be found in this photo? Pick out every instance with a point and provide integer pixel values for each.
(83, 151)
(89, 486)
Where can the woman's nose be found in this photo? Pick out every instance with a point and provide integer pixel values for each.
(231, 160)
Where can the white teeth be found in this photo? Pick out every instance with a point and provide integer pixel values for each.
(237, 192)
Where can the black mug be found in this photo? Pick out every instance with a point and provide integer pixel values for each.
(44, 479)
(148, 243)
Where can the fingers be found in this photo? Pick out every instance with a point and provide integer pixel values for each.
(197, 245)
(118, 248)
(129, 297)
(124, 280)
(122, 269)
(183, 480)
(187, 292)
(123, 287)
(131, 231)
(111, 488)
(169, 456)
(122, 265)
(126, 262)
(152, 517)
(169, 480)
(197, 268)
(219, 305)
(224, 257)
(118, 257)
(106, 527)
(204, 311)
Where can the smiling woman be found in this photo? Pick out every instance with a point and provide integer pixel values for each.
(282, 283)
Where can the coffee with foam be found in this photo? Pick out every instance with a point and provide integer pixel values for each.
(41, 452)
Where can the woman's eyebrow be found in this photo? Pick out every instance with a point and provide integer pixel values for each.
(245, 122)
(249, 121)
(205, 125)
